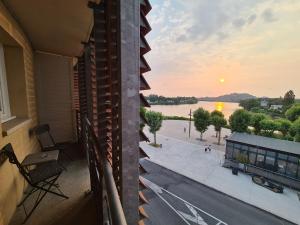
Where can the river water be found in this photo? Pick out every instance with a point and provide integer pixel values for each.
(183, 110)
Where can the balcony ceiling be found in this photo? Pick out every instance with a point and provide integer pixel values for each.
(55, 26)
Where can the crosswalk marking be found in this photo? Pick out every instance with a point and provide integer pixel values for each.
(194, 217)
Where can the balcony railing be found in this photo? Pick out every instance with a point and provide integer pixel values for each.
(103, 186)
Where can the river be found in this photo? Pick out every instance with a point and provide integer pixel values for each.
(183, 110)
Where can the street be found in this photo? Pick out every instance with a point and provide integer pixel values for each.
(177, 200)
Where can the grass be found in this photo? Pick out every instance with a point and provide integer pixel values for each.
(176, 118)
(155, 145)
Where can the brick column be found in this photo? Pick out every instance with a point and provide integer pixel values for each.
(130, 102)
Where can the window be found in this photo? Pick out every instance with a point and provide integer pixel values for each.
(236, 153)
(260, 160)
(253, 149)
(282, 156)
(291, 169)
(4, 98)
(281, 166)
(245, 147)
(229, 152)
(270, 160)
(293, 159)
(229, 144)
(252, 158)
(261, 151)
(237, 146)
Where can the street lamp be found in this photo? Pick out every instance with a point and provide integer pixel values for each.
(190, 114)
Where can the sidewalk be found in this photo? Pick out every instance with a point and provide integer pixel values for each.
(192, 161)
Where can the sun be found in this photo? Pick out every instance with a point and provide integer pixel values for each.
(222, 80)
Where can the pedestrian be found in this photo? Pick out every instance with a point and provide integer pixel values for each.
(209, 148)
(184, 129)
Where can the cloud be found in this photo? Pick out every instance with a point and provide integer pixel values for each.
(189, 37)
(251, 19)
(181, 38)
(206, 19)
(239, 23)
(268, 16)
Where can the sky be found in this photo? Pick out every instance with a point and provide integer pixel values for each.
(253, 45)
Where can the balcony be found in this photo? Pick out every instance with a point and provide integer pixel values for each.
(87, 177)
(75, 183)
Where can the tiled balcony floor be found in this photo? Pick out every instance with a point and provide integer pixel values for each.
(54, 210)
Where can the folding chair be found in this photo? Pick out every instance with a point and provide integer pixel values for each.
(42, 179)
(47, 141)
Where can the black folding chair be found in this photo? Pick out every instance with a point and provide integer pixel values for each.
(42, 178)
(47, 141)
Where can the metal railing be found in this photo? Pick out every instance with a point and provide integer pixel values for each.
(103, 186)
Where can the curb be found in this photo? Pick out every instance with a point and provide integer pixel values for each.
(225, 194)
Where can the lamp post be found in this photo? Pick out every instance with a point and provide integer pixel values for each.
(190, 114)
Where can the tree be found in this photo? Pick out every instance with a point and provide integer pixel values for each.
(216, 113)
(154, 120)
(218, 122)
(293, 113)
(269, 126)
(255, 121)
(289, 98)
(239, 121)
(295, 128)
(284, 126)
(248, 104)
(201, 120)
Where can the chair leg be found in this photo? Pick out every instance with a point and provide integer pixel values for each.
(26, 197)
(42, 193)
(55, 193)
(40, 198)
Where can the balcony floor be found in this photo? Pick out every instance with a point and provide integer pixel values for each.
(78, 209)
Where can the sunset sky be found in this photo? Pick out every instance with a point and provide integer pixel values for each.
(251, 46)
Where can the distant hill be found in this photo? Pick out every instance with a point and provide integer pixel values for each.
(233, 97)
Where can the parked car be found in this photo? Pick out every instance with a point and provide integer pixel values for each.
(264, 182)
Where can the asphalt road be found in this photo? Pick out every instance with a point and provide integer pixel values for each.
(177, 200)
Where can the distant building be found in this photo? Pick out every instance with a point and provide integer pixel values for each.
(276, 107)
(264, 103)
(278, 160)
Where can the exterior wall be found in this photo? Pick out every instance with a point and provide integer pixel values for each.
(11, 183)
(54, 92)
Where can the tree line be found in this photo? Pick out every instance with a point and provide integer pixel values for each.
(161, 100)
(255, 104)
(261, 124)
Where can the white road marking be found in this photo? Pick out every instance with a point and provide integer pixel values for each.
(178, 213)
(196, 218)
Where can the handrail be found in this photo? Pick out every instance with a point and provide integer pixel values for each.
(115, 206)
